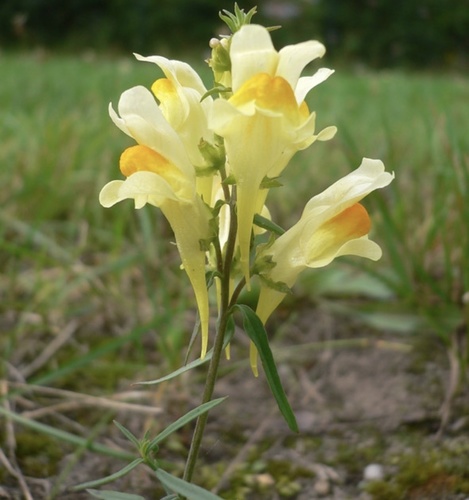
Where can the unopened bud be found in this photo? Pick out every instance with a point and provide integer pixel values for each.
(214, 154)
(213, 43)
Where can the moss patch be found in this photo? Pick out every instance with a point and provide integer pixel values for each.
(38, 456)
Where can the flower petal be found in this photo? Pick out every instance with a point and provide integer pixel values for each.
(189, 221)
(251, 52)
(294, 58)
(143, 187)
(271, 95)
(306, 83)
(185, 112)
(139, 101)
(177, 71)
(174, 109)
(320, 245)
(370, 175)
(361, 247)
(141, 118)
(269, 300)
(190, 224)
(109, 194)
(327, 133)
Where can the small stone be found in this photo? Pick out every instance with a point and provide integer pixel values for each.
(265, 480)
(322, 487)
(373, 472)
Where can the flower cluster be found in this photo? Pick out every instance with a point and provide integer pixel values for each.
(207, 157)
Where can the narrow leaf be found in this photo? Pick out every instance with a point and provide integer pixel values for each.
(188, 490)
(180, 422)
(256, 332)
(108, 479)
(179, 371)
(268, 225)
(66, 436)
(114, 495)
(192, 364)
(127, 434)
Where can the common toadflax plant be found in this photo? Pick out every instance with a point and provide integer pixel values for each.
(207, 157)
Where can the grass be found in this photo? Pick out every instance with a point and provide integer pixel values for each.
(91, 297)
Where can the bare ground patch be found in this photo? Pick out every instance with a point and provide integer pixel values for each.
(360, 398)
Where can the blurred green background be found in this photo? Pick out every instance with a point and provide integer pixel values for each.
(378, 33)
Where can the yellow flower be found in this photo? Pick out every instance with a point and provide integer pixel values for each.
(180, 96)
(333, 223)
(158, 171)
(266, 121)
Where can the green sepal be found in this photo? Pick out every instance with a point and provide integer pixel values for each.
(218, 89)
(220, 61)
(214, 156)
(210, 277)
(204, 244)
(270, 182)
(238, 19)
(205, 171)
(278, 286)
(263, 265)
(264, 262)
(255, 330)
(217, 207)
(230, 180)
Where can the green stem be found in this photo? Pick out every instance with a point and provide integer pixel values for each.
(237, 291)
(212, 372)
(207, 396)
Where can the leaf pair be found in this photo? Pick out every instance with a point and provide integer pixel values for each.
(170, 482)
(146, 449)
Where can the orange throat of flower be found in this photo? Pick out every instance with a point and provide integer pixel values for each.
(272, 93)
(143, 159)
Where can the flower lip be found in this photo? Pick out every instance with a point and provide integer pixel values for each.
(142, 158)
(177, 71)
(268, 93)
(139, 159)
(252, 52)
(142, 119)
(324, 243)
